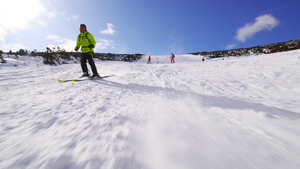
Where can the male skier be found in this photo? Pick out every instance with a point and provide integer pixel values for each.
(86, 41)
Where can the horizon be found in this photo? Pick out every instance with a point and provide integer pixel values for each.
(151, 28)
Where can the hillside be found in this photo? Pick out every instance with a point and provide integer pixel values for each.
(263, 49)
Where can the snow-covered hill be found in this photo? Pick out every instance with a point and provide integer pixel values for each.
(218, 114)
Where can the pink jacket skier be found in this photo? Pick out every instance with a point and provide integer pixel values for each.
(172, 58)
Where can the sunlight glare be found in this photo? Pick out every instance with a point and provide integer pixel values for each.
(16, 14)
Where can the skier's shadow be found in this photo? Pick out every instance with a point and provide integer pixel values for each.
(206, 100)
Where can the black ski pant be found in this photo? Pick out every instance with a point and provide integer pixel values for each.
(89, 57)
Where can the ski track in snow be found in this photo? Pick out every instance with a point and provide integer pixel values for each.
(218, 114)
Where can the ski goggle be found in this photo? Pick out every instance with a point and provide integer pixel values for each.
(82, 28)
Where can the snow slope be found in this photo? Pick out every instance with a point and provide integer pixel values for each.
(218, 114)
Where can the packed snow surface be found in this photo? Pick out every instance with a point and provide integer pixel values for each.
(240, 112)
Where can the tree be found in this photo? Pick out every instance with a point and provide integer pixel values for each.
(48, 50)
(22, 52)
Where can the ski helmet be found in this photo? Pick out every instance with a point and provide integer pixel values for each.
(82, 25)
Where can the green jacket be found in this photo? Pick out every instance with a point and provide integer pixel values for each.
(84, 40)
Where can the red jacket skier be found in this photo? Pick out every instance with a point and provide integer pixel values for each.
(149, 59)
(172, 58)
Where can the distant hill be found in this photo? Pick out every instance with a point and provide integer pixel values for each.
(263, 49)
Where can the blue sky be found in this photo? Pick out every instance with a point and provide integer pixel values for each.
(148, 26)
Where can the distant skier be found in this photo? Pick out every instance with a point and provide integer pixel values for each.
(172, 58)
(86, 41)
(1, 58)
(149, 59)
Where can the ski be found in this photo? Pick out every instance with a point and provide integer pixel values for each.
(82, 79)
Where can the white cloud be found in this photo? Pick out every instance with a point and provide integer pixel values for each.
(43, 23)
(12, 46)
(16, 14)
(63, 43)
(104, 44)
(74, 17)
(63, 14)
(109, 29)
(69, 45)
(264, 22)
(54, 38)
(3, 33)
(230, 46)
(52, 14)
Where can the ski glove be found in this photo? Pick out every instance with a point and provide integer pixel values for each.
(76, 49)
(91, 46)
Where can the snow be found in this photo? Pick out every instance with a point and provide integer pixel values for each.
(219, 114)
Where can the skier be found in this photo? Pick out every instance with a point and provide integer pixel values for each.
(1, 58)
(149, 59)
(172, 58)
(86, 41)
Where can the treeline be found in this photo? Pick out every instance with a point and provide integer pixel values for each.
(263, 49)
(58, 56)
